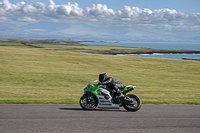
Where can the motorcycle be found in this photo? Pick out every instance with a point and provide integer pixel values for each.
(103, 97)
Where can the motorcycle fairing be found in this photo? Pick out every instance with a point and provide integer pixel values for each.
(94, 90)
(102, 101)
(128, 88)
(106, 103)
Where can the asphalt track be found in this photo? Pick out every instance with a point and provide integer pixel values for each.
(62, 118)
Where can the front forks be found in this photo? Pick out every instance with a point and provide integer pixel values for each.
(89, 97)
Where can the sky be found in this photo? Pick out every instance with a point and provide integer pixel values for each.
(108, 20)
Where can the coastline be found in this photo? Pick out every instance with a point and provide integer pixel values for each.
(103, 49)
(151, 51)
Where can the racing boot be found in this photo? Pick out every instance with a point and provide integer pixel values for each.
(119, 95)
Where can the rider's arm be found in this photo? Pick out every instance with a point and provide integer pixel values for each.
(109, 80)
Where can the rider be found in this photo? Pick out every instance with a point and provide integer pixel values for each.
(112, 84)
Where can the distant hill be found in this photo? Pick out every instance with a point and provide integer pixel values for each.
(38, 41)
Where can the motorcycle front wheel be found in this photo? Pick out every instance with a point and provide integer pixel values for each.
(88, 103)
(135, 105)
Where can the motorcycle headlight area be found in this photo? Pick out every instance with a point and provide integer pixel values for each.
(85, 89)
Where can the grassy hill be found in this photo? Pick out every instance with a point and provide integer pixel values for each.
(58, 74)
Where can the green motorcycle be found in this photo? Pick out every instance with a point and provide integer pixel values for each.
(103, 97)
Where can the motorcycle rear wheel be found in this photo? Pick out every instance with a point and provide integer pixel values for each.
(88, 103)
(135, 106)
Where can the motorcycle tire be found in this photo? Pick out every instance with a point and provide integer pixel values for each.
(135, 106)
(88, 104)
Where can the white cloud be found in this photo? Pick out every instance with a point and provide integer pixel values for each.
(101, 14)
(27, 19)
(37, 30)
(51, 2)
(3, 19)
(99, 10)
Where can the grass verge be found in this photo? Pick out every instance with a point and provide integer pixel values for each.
(35, 75)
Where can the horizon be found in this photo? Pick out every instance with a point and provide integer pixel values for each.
(134, 21)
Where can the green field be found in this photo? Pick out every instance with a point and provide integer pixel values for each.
(52, 73)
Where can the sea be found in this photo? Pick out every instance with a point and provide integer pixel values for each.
(156, 45)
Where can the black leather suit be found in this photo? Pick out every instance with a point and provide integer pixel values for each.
(113, 84)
